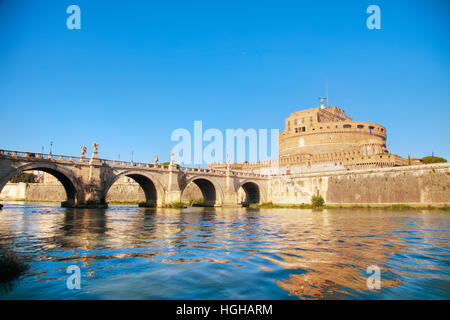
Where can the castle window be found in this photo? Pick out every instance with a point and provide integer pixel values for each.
(371, 127)
(337, 126)
(347, 126)
(360, 126)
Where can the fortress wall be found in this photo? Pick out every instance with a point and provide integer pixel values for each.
(127, 192)
(323, 138)
(192, 191)
(419, 185)
(14, 191)
(45, 192)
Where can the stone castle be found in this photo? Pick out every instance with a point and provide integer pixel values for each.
(322, 151)
(326, 139)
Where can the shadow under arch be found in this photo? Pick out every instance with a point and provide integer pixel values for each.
(150, 185)
(252, 193)
(210, 192)
(65, 178)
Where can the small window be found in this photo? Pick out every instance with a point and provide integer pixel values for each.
(347, 126)
(360, 126)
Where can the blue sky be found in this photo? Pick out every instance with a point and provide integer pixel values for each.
(137, 70)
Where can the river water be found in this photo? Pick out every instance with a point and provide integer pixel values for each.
(125, 252)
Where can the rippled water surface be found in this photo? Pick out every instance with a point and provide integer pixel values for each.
(126, 252)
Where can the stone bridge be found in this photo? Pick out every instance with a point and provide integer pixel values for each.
(87, 180)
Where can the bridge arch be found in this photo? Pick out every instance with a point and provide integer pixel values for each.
(211, 191)
(152, 187)
(64, 176)
(252, 192)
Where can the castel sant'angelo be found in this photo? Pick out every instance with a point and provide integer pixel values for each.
(326, 139)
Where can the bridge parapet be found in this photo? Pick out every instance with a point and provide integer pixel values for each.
(29, 156)
(40, 156)
(222, 172)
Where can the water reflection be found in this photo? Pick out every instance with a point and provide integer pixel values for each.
(207, 253)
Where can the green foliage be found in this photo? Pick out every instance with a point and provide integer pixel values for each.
(432, 159)
(24, 177)
(317, 201)
(193, 201)
(270, 205)
(176, 205)
(400, 207)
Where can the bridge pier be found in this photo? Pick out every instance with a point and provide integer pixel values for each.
(173, 193)
(230, 195)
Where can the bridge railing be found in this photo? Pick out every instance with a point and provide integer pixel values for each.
(49, 156)
(37, 155)
(133, 164)
(222, 172)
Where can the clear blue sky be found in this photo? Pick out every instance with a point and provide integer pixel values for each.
(137, 70)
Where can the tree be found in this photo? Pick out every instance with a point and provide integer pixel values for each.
(317, 201)
(433, 159)
(24, 177)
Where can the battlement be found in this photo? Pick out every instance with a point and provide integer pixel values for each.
(338, 127)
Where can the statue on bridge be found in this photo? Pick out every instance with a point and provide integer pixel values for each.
(95, 151)
(83, 151)
(156, 160)
(172, 159)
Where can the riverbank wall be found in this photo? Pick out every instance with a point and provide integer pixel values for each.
(411, 185)
(420, 185)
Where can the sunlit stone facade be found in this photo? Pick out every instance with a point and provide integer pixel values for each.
(326, 139)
